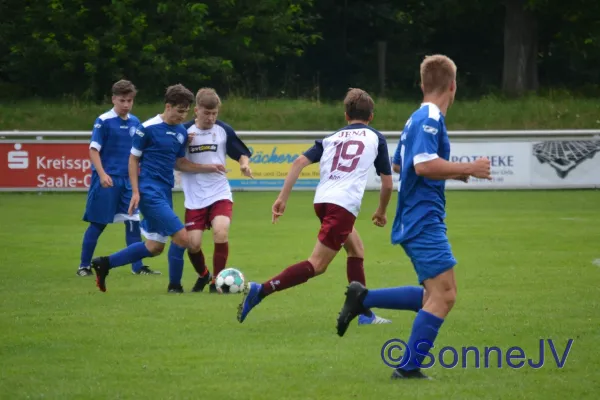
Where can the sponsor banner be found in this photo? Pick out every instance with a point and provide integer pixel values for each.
(566, 163)
(45, 166)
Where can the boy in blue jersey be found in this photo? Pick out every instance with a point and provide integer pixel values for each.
(110, 190)
(158, 148)
(422, 161)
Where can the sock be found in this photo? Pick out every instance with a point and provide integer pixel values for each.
(425, 327)
(397, 298)
(129, 254)
(175, 263)
(291, 276)
(220, 257)
(90, 240)
(197, 260)
(355, 270)
(133, 235)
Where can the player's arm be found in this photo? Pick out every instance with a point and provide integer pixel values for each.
(184, 165)
(397, 161)
(237, 150)
(99, 135)
(384, 170)
(428, 164)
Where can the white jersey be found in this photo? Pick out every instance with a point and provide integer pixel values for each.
(345, 159)
(210, 146)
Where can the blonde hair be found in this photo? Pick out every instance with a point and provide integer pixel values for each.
(208, 98)
(358, 104)
(437, 73)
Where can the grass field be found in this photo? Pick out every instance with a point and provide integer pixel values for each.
(525, 273)
(558, 111)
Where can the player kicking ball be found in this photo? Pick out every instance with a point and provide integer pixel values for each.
(110, 190)
(422, 161)
(158, 147)
(344, 158)
(208, 198)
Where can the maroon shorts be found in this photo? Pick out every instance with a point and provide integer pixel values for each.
(336, 224)
(202, 218)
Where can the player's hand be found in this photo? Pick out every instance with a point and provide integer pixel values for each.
(246, 171)
(217, 168)
(191, 137)
(133, 204)
(106, 181)
(481, 168)
(278, 210)
(379, 219)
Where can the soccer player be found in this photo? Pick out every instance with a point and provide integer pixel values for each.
(110, 190)
(208, 198)
(158, 147)
(422, 161)
(344, 158)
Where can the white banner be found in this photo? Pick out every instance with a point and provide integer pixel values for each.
(523, 165)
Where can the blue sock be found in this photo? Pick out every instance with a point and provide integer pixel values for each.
(397, 298)
(425, 328)
(175, 263)
(129, 254)
(133, 235)
(90, 240)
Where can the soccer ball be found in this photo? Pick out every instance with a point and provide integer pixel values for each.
(230, 280)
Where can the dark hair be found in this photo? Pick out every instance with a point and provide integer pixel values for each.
(123, 88)
(359, 105)
(179, 95)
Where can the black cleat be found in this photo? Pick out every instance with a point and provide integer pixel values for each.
(413, 374)
(353, 306)
(85, 271)
(145, 270)
(212, 288)
(174, 288)
(101, 267)
(201, 282)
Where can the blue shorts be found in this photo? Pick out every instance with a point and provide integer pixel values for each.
(430, 252)
(160, 220)
(108, 205)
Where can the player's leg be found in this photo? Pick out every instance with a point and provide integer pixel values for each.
(220, 219)
(355, 272)
(179, 243)
(196, 221)
(336, 225)
(133, 232)
(100, 210)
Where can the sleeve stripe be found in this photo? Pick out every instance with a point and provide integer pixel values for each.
(424, 157)
(136, 152)
(95, 145)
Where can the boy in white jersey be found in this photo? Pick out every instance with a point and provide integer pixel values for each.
(208, 198)
(345, 158)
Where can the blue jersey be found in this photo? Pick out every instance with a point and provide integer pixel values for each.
(112, 137)
(421, 201)
(159, 145)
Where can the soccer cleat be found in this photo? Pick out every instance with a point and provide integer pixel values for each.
(412, 374)
(251, 299)
(212, 288)
(352, 307)
(174, 288)
(201, 282)
(84, 271)
(101, 267)
(372, 320)
(145, 270)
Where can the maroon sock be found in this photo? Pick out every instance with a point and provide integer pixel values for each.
(220, 257)
(291, 276)
(355, 270)
(197, 260)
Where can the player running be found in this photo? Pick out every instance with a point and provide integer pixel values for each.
(208, 198)
(345, 158)
(422, 160)
(110, 190)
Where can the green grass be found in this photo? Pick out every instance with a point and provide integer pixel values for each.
(488, 113)
(525, 272)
